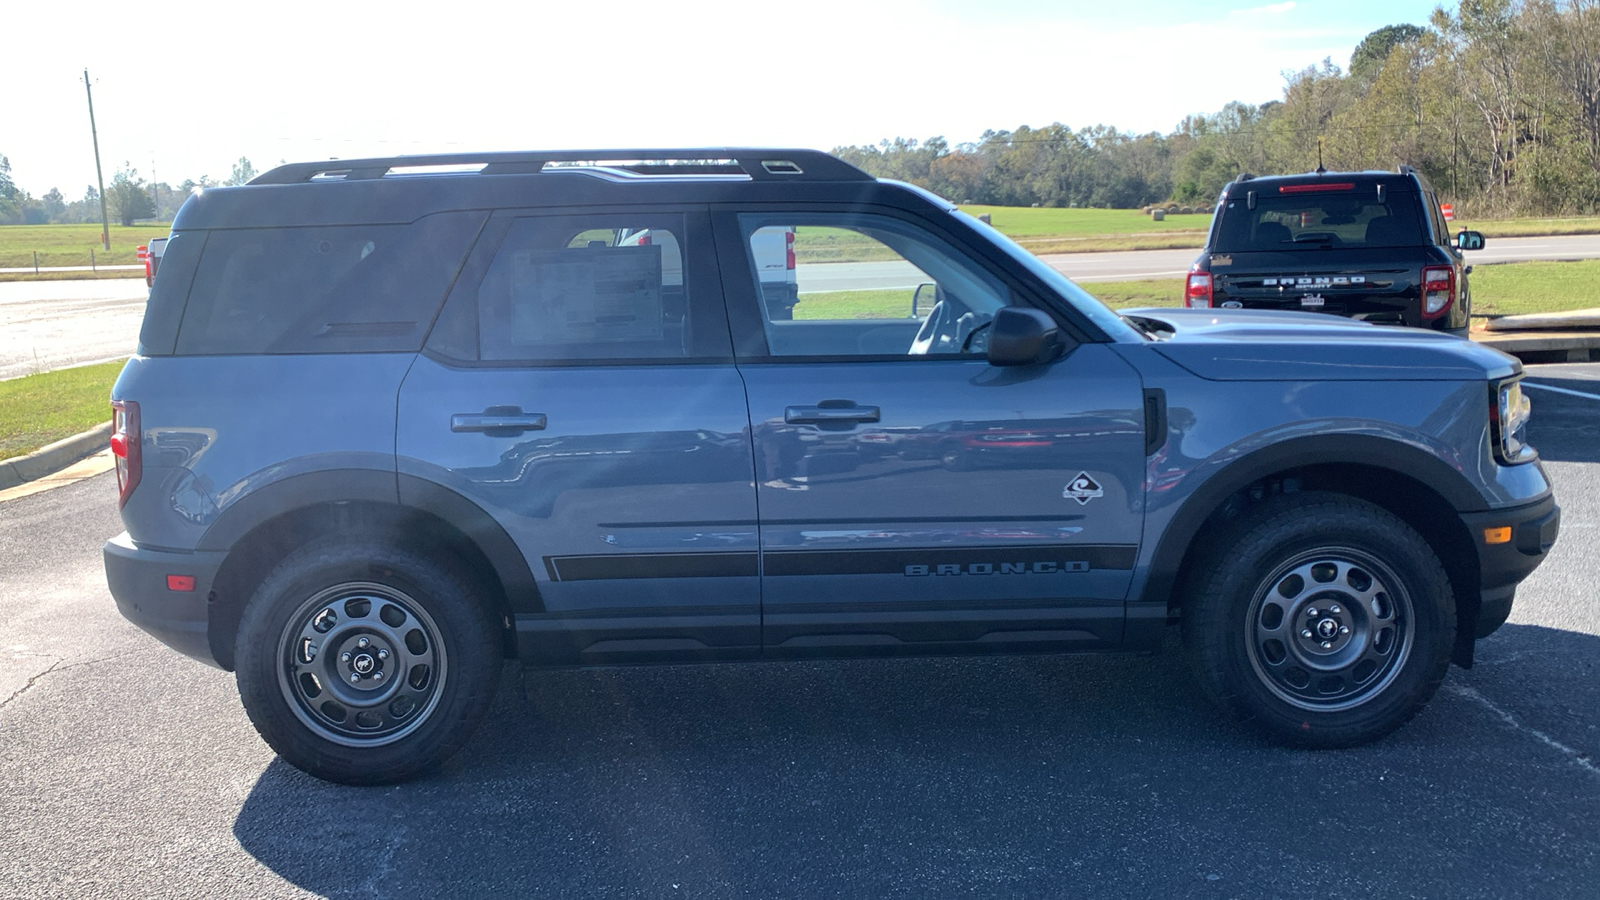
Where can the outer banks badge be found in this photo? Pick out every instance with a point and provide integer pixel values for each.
(1082, 489)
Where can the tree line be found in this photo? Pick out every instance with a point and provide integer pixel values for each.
(1496, 101)
(129, 199)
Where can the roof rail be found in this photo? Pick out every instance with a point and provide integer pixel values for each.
(1405, 170)
(759, 165)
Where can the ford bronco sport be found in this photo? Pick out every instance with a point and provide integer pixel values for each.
(1368, 245)
(393, 421)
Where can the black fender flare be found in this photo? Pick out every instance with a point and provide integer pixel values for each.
(403, 492)
(1365, 450)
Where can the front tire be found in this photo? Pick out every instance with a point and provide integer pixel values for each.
(361, 663)
(1324, 620)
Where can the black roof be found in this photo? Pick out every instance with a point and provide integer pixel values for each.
(1405, 180)
(402, 189)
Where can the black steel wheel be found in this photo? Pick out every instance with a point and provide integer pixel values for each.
(1323, 619)
(363, 664)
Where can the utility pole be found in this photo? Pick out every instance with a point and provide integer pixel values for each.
(105, 220)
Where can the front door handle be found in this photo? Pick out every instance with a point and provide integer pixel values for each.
(830, 412)
(498, 421)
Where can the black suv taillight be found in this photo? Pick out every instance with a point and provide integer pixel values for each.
(1438, 290)
(1197, 293)
(125, 440)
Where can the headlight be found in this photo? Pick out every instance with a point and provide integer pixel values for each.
(1509, 413)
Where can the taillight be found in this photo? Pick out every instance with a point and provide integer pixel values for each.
(1438, 290)
(1198, 294)
(143, 255)
(788, 250)
(125, 448)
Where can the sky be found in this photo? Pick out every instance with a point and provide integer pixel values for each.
(183, 89)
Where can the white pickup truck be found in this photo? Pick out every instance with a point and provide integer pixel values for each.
(150, 255)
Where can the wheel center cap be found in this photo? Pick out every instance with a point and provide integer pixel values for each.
(364, 663)
(1327, 629)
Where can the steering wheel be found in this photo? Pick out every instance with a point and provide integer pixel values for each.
(937, 332)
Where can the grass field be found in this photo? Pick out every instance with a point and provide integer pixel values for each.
(1500, 290)
(1534, 287)
(36, 410)
(879, 304)
(70, 245)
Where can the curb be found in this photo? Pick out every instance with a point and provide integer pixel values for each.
(59, 455)
(1544, 346)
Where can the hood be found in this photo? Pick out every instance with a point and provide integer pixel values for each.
(1263, 345)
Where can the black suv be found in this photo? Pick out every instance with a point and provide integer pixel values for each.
(1368, 245)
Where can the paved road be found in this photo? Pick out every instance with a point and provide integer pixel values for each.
(46, 325)
(1141, 265)
(129, 771)
(50, 324)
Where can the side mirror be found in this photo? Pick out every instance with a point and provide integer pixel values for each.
(1469, 240)
(916, 298)
(1022, 336)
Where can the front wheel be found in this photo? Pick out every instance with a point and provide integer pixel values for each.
(363, 664)
(1323, 619)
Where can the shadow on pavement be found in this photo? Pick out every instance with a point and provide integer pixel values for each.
(1013, 776)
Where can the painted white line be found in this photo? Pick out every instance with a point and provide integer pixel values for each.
(1561, 390)
(1580, 759)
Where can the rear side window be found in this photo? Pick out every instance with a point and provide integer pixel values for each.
(1311, 220)
(335, 289)
(570, 288)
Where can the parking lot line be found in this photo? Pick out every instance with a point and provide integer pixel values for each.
(1561, 390)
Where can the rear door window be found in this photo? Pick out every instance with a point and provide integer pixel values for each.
(333, 289)
(1295, 221)
(571, 289)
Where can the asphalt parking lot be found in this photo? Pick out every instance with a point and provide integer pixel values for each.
(126, 770)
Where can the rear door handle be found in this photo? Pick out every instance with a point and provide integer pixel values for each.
(830, 412)
(498, 421)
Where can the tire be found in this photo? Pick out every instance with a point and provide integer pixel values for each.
(424, 656)
(1364, 586)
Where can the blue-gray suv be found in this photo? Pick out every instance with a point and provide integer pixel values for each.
(394, 421)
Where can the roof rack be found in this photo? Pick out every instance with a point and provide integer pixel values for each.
(758, 165)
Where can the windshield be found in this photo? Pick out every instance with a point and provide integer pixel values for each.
(1081, 300)
(1301, 221)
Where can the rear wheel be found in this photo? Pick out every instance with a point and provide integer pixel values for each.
(1325, 620)
(364, 664)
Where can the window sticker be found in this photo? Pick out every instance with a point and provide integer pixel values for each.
(586, 295)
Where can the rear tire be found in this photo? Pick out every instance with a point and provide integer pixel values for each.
(1324, 620)
(361, 663)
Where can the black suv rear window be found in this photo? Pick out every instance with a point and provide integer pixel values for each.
(338, 289)
(1310, 220)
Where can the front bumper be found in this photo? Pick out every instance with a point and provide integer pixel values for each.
(137, 577)
(1502, 566)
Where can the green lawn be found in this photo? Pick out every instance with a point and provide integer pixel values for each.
(69, 245)
(1120, 294)
(1021, 222)
(1534, 287)
(36, 410)
(879, 304)
(1501, 290)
